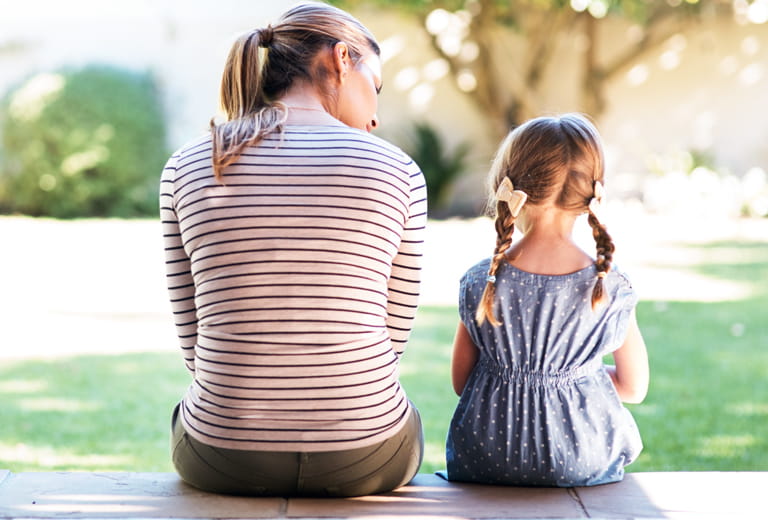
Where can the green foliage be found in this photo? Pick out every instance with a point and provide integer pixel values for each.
(87, 142)
(510, 12)
(439, 165)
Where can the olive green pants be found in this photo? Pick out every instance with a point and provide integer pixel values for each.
(361, 471)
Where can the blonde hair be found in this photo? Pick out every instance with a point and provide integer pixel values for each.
(264, 63)
(557, 159)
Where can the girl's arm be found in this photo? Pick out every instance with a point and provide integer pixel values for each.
(631, 374)
(465, 355)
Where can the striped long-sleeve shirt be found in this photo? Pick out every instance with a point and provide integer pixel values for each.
(294, 285)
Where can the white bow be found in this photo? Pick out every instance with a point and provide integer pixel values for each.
(595, 202)
(515, 199)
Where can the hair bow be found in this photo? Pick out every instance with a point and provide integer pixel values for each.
(515, 199)
(597, 197)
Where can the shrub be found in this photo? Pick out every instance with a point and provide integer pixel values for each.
(82, 143)
(439, 165)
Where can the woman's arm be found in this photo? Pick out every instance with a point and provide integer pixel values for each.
(630, 376)
(405, 280)
(465, 355)
(178, 275)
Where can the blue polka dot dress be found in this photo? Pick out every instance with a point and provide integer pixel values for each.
(539, 408)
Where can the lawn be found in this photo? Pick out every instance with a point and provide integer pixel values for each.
(707, 408)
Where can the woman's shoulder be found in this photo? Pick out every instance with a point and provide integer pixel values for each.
(380, 145)
(351, 140)
(196, 145)
(387, 147)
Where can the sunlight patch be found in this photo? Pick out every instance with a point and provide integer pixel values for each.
(53, 404)
(726, 446)
(46, 457)
(746, 409)
(683, 285)
(23, 386)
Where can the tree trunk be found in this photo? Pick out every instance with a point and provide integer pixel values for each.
(592, 84)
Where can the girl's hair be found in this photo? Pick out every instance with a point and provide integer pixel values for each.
(551, 159)
(264, 63)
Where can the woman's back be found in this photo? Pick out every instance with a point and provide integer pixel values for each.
(293, 250)
(291, 258)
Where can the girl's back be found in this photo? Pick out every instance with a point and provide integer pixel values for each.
(537, 406)
(523, 416)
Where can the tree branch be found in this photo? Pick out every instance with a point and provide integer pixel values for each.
(655, 34)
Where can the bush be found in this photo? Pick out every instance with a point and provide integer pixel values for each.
(439, 165)
(82, 143)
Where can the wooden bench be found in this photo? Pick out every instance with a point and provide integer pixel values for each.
(101, 495)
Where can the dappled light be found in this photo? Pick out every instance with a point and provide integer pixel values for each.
(727, 446)
(638, 74)
(22, 386)
(596, 8)
(56, 457)
(30, 100)
(751, 11)
(53, 404)
(752, 74)
(449, 29)
(100, 412)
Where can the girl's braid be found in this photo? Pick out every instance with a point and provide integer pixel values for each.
(605, 249)
(505, 228)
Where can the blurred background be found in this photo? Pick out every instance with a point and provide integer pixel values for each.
(95, 95)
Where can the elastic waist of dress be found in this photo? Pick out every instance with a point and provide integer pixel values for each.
(536, 378)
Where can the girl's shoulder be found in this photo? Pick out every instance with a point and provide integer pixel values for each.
(620, 276)
(620, 285)
(479, 270)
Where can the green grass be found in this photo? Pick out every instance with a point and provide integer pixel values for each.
(707, 408)
(89, 412)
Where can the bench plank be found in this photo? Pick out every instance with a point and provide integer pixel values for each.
(103, 495)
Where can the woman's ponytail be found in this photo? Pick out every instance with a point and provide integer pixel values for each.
(249, 116)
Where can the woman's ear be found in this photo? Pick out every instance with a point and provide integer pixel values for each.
(341, 61)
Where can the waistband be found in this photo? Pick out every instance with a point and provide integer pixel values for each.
(535, 378)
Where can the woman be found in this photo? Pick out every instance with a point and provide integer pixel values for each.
(293, 244)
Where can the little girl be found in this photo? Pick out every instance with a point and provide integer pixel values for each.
(537, 405)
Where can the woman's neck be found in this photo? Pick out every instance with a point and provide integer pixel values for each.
(305, 107)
